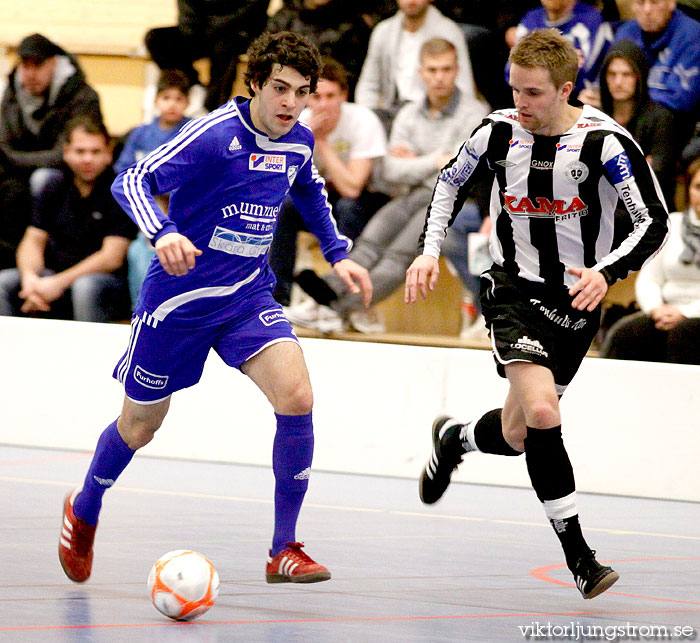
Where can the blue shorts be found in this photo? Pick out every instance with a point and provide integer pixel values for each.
(162, 359)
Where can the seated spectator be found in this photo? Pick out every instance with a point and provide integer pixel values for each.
(668, 292)
(349, 140)
(44, 91)
(489, 27)
(170, 103)
(424, 137)
(219, 31)
(336, 27)
(671, 42)
(74, 251)
(582, 25)
(390, 75)
(623, 94)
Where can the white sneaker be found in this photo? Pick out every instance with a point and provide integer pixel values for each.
(476, 332)
(309, 314)
(196, 96)
(304, 313)
(329, 321)
(368, 320)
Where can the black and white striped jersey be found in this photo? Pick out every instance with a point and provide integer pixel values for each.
(554, 197)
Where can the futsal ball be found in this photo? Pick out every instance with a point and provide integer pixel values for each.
(183, 584)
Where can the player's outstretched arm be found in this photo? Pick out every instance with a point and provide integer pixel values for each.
(589, 290)
(421, 276)
(176, 253)
(356, 278)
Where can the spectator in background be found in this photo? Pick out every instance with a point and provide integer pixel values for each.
(671, 42)
(390, 75)
(44, 91)
(74, 251)
(668, 292)
(336, 27)
(489, 27)
(425, 136)
(349, 140)
(171, 102)
(215, 29)
(623, 94)
(582, 25)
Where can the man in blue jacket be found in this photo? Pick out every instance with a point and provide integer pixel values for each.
(671, 41)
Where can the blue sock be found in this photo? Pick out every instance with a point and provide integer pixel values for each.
(292, 452)
(110, 459)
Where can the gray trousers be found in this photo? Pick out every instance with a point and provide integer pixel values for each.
(386, 247)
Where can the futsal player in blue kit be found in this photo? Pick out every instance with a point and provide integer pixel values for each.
(210, 287)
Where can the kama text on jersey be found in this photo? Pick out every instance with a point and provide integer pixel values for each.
(553, 198)
(226, 181)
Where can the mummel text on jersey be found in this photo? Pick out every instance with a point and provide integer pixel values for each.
(553, 198)
(226, 181)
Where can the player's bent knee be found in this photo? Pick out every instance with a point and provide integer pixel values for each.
(542, 415)
(296, 401)
(514, 435)
(137, 433)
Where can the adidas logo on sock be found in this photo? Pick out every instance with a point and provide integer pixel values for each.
(105, 482)
(303, 475)
(235, 145)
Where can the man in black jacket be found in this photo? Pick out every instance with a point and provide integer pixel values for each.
(220, 30)
(45, 90)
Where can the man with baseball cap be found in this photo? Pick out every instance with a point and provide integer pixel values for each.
(44, 91)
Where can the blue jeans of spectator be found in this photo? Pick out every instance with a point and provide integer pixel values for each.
(351, 215)
(97, 297)
(455, 247)
(139, 257)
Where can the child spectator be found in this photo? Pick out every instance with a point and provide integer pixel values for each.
(171, 103)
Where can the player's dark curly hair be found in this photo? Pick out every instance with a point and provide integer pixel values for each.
(286, 49)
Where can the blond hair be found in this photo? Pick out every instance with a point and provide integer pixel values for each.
(549, 49)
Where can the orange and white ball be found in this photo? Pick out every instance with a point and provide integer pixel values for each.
(183, 584)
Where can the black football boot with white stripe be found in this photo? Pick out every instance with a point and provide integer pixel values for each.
(448, 449)
(591, 577)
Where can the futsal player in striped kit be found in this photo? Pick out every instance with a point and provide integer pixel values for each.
(558, 172)
(210, 286)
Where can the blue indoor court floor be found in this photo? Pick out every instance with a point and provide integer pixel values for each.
(481, 565)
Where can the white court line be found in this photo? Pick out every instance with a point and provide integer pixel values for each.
(188, 494)
(393, 512)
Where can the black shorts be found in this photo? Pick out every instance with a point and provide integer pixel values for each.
(532, 322)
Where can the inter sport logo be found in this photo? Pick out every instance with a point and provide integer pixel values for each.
(268, 163)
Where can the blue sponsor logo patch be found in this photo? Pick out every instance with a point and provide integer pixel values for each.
(239, 243)
(619, 168)
(149, 380)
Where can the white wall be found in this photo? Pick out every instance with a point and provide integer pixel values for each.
(631, 428)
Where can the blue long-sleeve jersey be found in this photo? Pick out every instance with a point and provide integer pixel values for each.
(226, 181)
(674, 58)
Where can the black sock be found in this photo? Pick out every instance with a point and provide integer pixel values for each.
(488, 435)
(568, 530)
(553, 481)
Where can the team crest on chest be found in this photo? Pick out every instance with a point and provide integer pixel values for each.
(576, 172)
